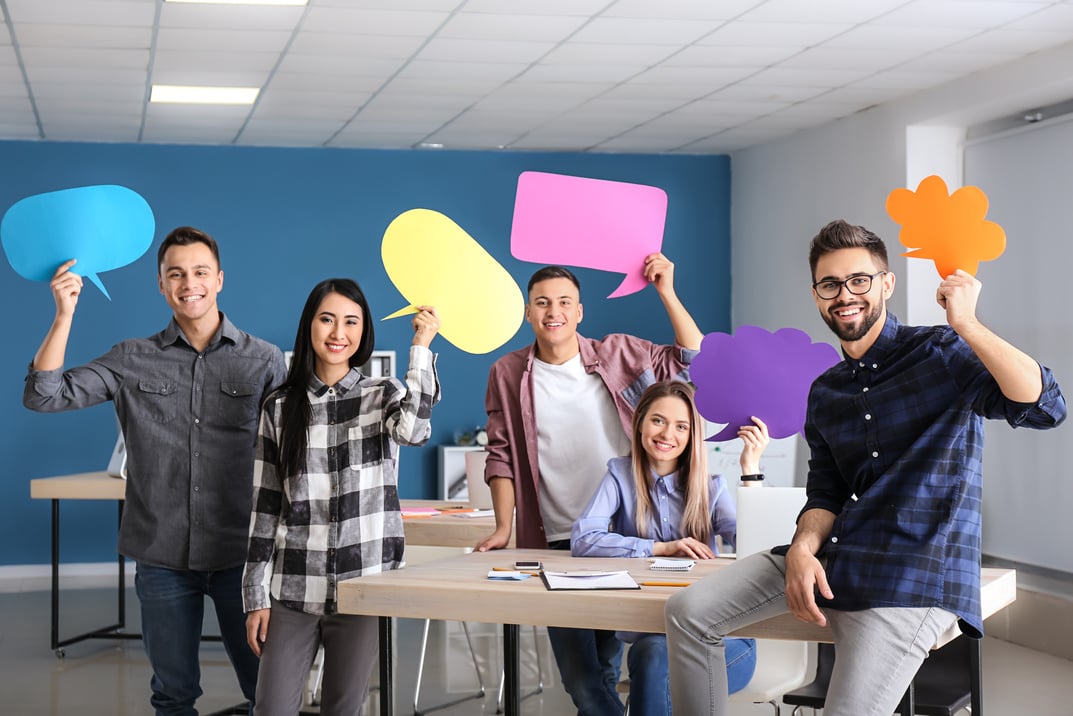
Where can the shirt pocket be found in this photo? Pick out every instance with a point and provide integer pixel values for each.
(158, 400)
(237, 403)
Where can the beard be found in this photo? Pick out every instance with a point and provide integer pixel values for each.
(853, 332)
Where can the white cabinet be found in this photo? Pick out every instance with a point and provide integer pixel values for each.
(452, 485)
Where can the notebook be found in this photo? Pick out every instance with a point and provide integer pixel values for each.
(672, 565)
(588, 579)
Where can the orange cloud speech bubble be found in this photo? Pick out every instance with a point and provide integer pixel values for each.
(949, 229)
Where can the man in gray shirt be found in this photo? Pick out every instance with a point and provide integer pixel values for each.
(188, 400)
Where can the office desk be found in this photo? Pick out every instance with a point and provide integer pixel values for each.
(438, 530)
(458, 589)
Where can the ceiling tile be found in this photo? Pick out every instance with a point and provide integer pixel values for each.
(702, 78)
(833, 11)
(731, 56)
(781, 76)
(1017, 42)
(121, 13)
(176, 61)
(351, 43)
(505, 26)
(340, 65)
(86, 58)
(373, 22)
(88, 36)
(957, 13)
(1058, 16)
(202, 40)
(919, 39)
(782, 34)
(682, 9)
(579, 53)
(645, 31)
(535, 7)
(229, 17)
(457, 50)
(500, 72)
(608, 74)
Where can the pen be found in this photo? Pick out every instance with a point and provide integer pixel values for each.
(511, 569)
(665, 584)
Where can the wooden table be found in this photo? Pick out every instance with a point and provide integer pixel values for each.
(439, 531)
(458, 588)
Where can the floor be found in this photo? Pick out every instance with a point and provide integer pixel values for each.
(110, 678)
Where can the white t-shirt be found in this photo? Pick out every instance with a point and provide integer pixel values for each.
(578, 431)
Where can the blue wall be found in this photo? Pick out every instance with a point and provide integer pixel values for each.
(285, 219)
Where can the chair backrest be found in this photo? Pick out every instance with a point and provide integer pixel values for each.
(767, 517)
(480, 496)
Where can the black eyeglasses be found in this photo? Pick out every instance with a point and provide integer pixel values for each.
(857, 284)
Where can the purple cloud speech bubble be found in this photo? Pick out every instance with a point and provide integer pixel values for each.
(756, 372)
(591, 223)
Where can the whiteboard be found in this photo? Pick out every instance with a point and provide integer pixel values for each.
(778, 462)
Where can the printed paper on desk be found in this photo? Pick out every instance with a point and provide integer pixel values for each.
(672, 565)
(475, 513)
(588, 579)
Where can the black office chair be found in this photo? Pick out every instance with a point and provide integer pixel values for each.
(941, 685)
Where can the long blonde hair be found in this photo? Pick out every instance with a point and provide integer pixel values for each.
(692, 464)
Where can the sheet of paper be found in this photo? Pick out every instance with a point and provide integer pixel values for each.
(476, 513)
(588, 579)
(507, 575)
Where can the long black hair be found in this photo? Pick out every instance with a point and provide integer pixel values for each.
(296, 412)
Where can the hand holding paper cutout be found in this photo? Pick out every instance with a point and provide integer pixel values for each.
(756, 372)
(434, 262)
(949, 229)
(592, 223)
(105, 227)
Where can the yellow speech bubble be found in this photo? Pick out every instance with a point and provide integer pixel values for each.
(434, 262)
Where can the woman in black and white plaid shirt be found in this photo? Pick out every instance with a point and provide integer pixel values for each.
(325, 501)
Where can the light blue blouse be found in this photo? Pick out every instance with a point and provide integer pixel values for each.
(607, 528)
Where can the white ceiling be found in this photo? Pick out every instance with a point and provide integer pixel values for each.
(692, 76)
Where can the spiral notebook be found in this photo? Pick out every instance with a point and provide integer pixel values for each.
(672, 565)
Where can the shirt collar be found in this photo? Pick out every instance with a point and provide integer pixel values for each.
(885, 344)
(318, 387)
(226, 331)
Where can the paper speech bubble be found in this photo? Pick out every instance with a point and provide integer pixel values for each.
(104, 227)
(592, 223)
(949, 229)
(434, 262)
(756, 372)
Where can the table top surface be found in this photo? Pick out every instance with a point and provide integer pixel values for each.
(458, 588)
(443, 530)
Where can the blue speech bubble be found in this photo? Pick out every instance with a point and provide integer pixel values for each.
(105, 227)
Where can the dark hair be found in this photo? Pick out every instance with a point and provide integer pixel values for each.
(840, 234)
(552, 272)
(184, 236)
(296, 414)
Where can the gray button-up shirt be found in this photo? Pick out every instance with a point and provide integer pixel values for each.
(190, 424)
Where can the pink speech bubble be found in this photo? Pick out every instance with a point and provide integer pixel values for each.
(592, 223)
(756, 372)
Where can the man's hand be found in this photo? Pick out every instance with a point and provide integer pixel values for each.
(659, 271)
(257, 628)
(497, 540)
(804, 574)
(66, 286)
(957, 294)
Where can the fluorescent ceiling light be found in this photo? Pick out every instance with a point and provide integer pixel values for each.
(203, 95)
(245, 2)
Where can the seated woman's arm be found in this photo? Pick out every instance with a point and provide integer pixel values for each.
(604, 530)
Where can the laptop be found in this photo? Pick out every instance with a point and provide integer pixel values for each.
(767, 517)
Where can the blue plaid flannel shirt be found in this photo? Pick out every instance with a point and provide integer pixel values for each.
(896, 442)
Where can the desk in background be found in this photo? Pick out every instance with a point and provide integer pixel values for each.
(438, 531)
(458, 589)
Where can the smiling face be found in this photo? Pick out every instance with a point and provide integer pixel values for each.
(665, 433)
(554, 311)
(336, 335)
(190, 278)
(855, 319)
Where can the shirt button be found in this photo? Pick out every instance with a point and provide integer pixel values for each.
(868, 416)
(865, 389)
(875, 454)
(197, 454)
(834, 540)
(197, 489)
(861, 364)
(875, 366)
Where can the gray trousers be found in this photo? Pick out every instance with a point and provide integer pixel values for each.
(878, 650)
(350, 651)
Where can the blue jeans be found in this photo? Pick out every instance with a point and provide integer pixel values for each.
(590, 662)
(650, 686)
(173, 607)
